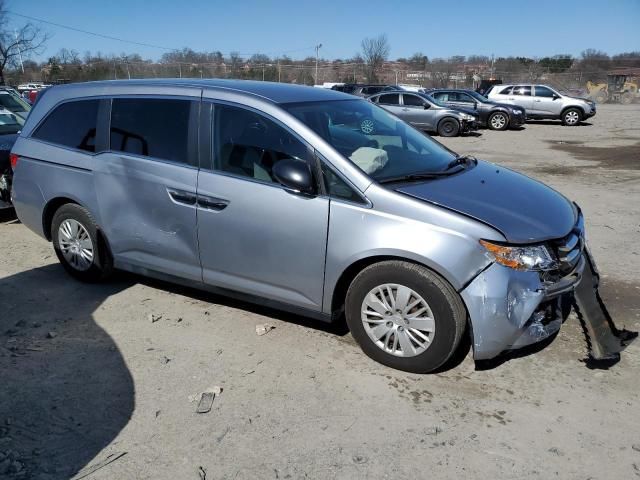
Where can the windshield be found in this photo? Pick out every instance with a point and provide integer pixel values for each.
(380, 144)
(10, 123)
(13, 102)
(476, 95)
(433, 100)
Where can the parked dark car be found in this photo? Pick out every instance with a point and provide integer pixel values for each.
(361, 89)
(493, 115)
(10, 126)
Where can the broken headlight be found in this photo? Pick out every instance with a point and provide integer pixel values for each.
(526, 257)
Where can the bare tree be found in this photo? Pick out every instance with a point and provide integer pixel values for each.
(17, 44)
(374, 52)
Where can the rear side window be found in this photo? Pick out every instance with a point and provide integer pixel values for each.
(72, 124)
(151, 127)
(389, 99)
(524, 90)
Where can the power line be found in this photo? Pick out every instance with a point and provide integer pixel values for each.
(142, 44)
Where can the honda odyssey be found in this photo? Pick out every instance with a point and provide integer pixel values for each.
(304, 199)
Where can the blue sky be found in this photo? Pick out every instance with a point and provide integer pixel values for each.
(436, 28)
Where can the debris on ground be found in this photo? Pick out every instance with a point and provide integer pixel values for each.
(164, 360)
(97, 466)
(202, 473)
(264, 328)
(154, 318)
(205, 399)
(52, 334)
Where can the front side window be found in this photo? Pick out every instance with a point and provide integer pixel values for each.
(464, 98)
(442, 96)
(505, 91)
(412, 100)
(389, 99)
(151, 127)
(249, 144)
(544, 92)
(72, 124)
(336, 187)
(523, 90)
(377, 142)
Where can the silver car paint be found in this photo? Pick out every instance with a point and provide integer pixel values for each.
(426, 119)
(268, 242)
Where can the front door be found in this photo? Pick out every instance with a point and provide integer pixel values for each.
(414, 108)
(544, 101)
(146, 182)
(255, 236)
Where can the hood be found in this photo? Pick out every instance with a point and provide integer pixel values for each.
(522, 209)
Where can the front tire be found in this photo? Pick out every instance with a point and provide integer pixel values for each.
(571, 117)
(448, 127)
(498, 121)
(77, 245)
(405, 316)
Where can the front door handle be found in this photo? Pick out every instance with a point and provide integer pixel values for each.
(212, 203)
(180, 196)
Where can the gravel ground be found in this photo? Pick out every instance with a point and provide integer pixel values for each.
(92, 385)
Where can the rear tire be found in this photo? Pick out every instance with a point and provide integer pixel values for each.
(498, 121)
(448, 127)
(626, 98)
(419, 299)
(571, 117)
(78, 246)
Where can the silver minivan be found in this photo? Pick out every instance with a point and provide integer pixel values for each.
(304, 199)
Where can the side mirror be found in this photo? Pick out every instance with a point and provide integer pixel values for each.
(556, 97)
(427, 106)
(295, 175)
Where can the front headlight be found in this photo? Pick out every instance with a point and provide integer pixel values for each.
(467, 117)
(533, 258)
(517, 111)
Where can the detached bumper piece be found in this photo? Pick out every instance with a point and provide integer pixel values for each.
(604, 339)
(468, 126)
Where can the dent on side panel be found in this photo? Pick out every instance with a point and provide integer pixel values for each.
(358, 232)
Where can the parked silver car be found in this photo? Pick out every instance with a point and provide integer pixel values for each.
(426, 113)
(304, 199)
(542, 101)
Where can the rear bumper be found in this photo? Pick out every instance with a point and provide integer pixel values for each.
(511, 309)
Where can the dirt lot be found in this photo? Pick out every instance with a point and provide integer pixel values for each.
(87, 377)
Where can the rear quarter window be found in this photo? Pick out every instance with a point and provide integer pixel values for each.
(72, 124)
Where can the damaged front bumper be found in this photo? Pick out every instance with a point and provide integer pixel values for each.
(510, 309)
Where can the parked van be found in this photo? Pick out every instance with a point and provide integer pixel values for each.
(300, 198)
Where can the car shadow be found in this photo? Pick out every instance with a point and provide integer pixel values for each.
(555, 122)
(337, 327)
(8, 215)
(66, 391)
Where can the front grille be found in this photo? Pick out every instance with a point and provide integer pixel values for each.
(569, 248)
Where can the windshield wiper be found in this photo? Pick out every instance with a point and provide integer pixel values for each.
(418, 176)
(462, 160)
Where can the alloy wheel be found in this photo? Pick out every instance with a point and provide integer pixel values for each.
(75, 244)
(398, 320)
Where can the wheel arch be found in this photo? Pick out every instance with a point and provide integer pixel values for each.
(575, 107)
(52, 207)
(341, 286)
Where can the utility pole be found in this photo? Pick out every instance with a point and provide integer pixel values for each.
(318, 47)
(278, 70)
(19, 51)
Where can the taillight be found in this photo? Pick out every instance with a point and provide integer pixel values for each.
(13, 158)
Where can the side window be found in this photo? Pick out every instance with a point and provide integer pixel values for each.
(464, 98)
(443, 96)
(412, 100)
(72, 124)
(249, 144)
(505, 91)
(151, 127)
(524, 90)
(389, 99)
(336, 187)
(543, 92)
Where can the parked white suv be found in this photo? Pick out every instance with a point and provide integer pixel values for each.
(542, 101)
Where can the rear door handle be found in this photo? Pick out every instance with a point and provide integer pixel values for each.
(180, 196)
(212, 203)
